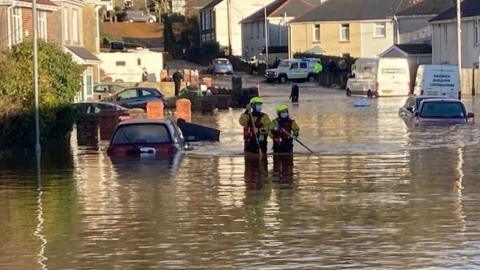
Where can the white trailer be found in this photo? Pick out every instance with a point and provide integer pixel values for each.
(129, 66)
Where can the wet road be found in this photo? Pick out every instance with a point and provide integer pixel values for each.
(378, 194)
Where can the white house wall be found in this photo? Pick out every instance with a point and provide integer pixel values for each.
(239, 11)
(414, 30)
(374, 46)
(253, 37)
(445, 47)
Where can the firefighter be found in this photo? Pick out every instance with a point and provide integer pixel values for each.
(283, 130)
(255, 127)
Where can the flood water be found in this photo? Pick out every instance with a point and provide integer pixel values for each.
(377, 194)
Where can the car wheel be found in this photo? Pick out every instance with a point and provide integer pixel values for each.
(311, 78)
(150, 21)
(348, 93)
(130, 20)
(283, 79)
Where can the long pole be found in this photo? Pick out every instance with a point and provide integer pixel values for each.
(266, 34)
(38, 148)
(459, 42)
(229, 21)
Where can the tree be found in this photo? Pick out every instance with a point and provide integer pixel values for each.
(59, 81)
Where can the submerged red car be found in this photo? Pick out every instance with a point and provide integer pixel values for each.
(146, 137)
(439, 110)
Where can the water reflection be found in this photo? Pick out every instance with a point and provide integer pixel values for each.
(38, 233)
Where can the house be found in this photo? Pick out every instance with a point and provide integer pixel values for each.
(73, 24)
(444, 35)
(16, 22)
(358, 28)
(193, 7)
(220, 22)
(413, 22)
(278, 14)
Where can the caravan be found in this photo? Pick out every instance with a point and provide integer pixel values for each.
(376, 77)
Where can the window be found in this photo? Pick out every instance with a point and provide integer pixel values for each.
(146, 93)
(379, 30)
(142, 133)
(42, 24)
(65, 25)
(127, 94)
(294, 66)
(17, 26)
(476, 34)
(345, 32)
(316, 32)
(120, 63)
(303, 65)
(139, 61)
(75, 32)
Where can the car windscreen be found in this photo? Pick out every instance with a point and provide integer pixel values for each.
(142, 133)
(221, 62)
(419, 100)
(442, 110)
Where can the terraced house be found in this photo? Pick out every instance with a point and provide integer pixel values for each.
(359, 28)
(16, 22)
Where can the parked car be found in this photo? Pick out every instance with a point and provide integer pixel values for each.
(105, 90)
(139, 16)
(92, 107)
(146, 138)
(292, 69)
(451, 111)
(376, 77)
(411, 105)
(138, 97)
(437, 80)
(221, 66)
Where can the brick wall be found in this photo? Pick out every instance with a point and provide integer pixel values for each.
(53, 25)
(3, 28)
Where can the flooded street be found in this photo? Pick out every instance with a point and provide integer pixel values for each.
(377, 194)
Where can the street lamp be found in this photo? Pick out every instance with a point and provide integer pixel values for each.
(266, 33)
(35, 77)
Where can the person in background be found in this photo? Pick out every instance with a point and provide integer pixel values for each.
(177, 79)
(294, 93)
(255, 127)
(144, 75)
(283, 130)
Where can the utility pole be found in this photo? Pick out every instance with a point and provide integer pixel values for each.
(266, 34)
(38, 148)
(459, 41)
(229, 19)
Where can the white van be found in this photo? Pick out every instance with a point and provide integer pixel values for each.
(376, 77)
(437, 80)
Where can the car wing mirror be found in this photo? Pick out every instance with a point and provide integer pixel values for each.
(410, 109)
(470, 115)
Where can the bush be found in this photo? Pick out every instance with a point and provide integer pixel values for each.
(59, 81)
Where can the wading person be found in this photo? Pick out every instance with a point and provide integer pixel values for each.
(255, 127)
(294, 93)
(177, 79)
(283, 130)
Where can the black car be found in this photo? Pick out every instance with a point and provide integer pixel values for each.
(98, 106)
(138, 97)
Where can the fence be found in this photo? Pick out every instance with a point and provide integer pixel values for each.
(470, 82)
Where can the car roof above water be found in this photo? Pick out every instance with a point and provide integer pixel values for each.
(146, 121)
